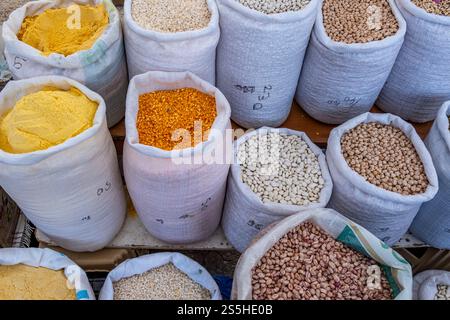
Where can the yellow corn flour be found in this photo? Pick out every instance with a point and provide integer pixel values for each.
(21, 282)
(44, 119)
(59, 31)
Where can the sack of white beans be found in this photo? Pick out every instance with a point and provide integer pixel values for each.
(276, 173)
(128, 280)
(381, 175)
(342, 80)
(432, 285)
(298, 278)
(420, 80)
(102, 68)
(259, 59)
(72, 192)
(178, 194)
(47, 258)
(432, 223)
(154, 47)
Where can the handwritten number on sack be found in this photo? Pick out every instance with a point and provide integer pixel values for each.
(205, 204)
(263, 93)
(255, 225)
(85, 219)
(105, 188)
(18, 62)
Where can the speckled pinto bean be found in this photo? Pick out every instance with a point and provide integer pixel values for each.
(308, 264)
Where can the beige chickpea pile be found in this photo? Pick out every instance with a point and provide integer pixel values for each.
(439, 7)
(358, 21)
(308, 264)
(385, 157)
(171, 16)
(164, 283)
(275, 6)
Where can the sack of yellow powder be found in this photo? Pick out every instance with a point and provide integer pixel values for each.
(79, 39)
(178, 191)
(41, 274)
(70, 186)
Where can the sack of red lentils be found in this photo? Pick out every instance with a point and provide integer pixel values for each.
(160, 276)
(260, 55)
(35, 270)
(319, 254)
(172, 36)
(347, 63)
(275, 173)
(79, 39)
(432, 223)
(177, 187)
(420, 81)
(71, 189)
(382, 173)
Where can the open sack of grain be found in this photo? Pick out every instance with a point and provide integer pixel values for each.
(79, 39)
(319, 254)
(260, 55)
(174, 165)
(58, 161)
(382, 173)
(352, 50)
(160, 276)
(432, 285)
(41, 274)
(275, 173)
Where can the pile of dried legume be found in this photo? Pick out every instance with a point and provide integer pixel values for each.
(308, 264)
(443, 292)
(358, 21)
(163, 113)
(385, 157)
(164, 283)
(275, 6)
(6, 7)
(439, 7)
(281, 168)
(171, 15)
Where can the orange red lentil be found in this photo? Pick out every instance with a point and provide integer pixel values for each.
(162, 113)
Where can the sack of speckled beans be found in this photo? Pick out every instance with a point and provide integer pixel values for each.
(420, 81)
(58, 161)
(382, 173)
(352, 50)
(174, 154)
(79, 39)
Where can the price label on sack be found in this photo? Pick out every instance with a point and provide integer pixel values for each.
(261, 93)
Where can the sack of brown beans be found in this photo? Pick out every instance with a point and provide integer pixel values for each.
(432, 223)
(320, 255)
(78, 39)
(160, 276)
(260, 55)
(275, 173)
(432, 285)
(353, 47)
(420, 81)
(177, 187)
(382, 173)
(174, 35)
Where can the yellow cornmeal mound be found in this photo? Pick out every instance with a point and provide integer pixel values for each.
(44, 119)
(20, 282)
(57, 31)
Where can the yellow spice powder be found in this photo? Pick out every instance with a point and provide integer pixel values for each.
(21, 282)
(60, 31)
(163, 114)
(44, 119)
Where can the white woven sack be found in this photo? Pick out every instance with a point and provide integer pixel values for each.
(177, 202)
(193, 51)
(432, 223)
(259, 59)
(337, 226)
(340, 81)
(148, 262)
(386, 214)
(244, 212)
(425, 284)
(72, 192)
(53, 260)
(420, 80)
(102, 68)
